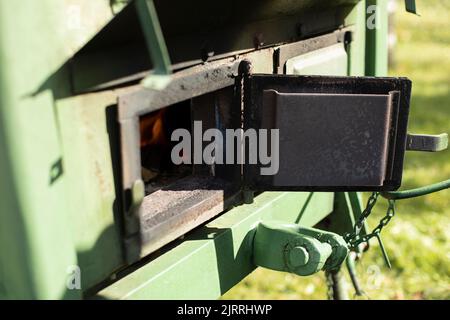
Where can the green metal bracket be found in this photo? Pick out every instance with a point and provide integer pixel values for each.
(292, 248)
(156, 45)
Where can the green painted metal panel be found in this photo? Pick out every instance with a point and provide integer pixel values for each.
(58, 198)
(37, 238)
(377, 37)
(29, 129)
(91, 204)
(217, 256)
(357, 18)
(330, 61)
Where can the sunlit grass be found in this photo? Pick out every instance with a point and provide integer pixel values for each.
(418, 239)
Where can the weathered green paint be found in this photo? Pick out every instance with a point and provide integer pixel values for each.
(213, 259)
(156, 45)
(39, 236)
(298, 256)
(59, 198)
(94, 213)
(356, 54)
(376, 39)
(216, 257)
(331, 61)
(273, 243)
(292, 248)
(417, 192)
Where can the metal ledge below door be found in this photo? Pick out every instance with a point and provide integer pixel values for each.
(214, 258)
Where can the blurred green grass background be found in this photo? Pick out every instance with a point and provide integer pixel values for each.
(417, 239)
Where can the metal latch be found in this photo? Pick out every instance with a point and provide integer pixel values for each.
(295, 249)
(425, 142)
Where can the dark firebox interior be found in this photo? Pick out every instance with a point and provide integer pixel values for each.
(213, 110)
(156, 128)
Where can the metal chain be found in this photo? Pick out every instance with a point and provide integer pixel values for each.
(354, 239)
(330, 289)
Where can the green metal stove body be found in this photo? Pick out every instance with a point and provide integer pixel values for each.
(64, 65)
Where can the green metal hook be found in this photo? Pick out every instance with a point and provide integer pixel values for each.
(412, 193)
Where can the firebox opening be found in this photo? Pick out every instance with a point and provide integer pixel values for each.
(179, 198)
(156, 129)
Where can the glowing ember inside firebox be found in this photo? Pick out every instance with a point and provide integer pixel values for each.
(156, 129)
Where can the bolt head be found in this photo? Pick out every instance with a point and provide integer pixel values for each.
(298, 256)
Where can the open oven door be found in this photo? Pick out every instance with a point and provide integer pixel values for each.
(325, 133)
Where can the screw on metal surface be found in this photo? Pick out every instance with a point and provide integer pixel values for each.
(298, 256)
(245, 67)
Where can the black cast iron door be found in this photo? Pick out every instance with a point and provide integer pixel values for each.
(332, 133)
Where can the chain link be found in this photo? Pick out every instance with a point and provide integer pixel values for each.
(354, 239)
(330, 289)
